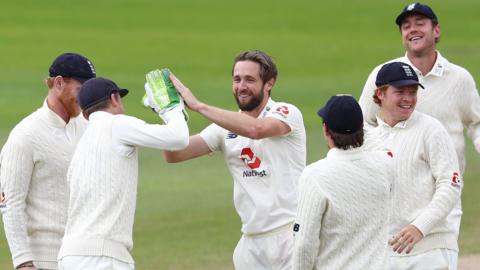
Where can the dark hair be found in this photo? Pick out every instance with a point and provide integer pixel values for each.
(268, 69)
(347, 141)
(97, 107)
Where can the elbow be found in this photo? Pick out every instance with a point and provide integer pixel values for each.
(170, 157)
(179, 143)
(254, 132)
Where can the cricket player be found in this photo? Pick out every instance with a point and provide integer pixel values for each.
(345, 199)
(264, 147)
(34, 163)
(427, 176)
(450, 96)
(103, 173)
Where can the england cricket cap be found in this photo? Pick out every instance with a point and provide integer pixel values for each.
(342, 114)
(397, 74)
(416, 8)
(74, 66)
(97, 90)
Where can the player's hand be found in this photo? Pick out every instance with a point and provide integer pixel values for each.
(192, 102)
(161, 91)
(149, 103)
(406, 239)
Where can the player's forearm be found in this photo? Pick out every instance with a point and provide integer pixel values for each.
(444, 199)
(239, 123)
(131, 131)
(14, 222)
(196, 147)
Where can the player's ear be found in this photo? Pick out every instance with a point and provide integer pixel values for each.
(115, 99)
(325, 130)
(436, 32)
(269, 84)
(58, 83)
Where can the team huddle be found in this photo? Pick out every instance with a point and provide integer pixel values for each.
(386, 196)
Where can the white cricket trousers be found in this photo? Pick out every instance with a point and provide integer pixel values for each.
(93, 263)
(267, 251)
(435, 259)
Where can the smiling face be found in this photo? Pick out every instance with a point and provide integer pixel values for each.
(397, 104)
(419, 34)
(249, 90)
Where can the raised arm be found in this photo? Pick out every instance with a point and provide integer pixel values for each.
(237, 122)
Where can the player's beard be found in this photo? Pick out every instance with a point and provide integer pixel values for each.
(252, 104)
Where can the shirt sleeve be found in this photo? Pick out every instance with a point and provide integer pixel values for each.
(369, 107)
(16, 167)
(443, 162)
(131, 131)
(214, 136)
(311, 207)
(471, 115)
(288, 114)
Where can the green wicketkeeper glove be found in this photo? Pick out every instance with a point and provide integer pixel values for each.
(161, 95)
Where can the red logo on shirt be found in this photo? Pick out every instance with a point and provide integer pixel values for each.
(390, 154)
(252, 161)
(456, 180)
(3, 199)
(283, 110)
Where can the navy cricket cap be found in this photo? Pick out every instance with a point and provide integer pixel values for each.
(342, 114)
(97, 90)
(416, 8)
(397, 74)
(74, 66)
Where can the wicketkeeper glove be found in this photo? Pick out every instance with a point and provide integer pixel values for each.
(161, 95)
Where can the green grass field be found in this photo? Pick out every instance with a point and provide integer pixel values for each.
(185, 217)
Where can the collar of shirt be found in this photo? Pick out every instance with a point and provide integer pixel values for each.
(349, 154)
(52, 116)
(440, 66)
(98, 115)
(267, 107)
(401, 124)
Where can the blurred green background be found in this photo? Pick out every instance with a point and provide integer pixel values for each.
(185, 217)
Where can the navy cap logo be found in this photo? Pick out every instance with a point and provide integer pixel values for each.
(408, 71)
(411, 6)
(92, 68)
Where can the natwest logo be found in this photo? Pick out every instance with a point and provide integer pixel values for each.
(252, 161)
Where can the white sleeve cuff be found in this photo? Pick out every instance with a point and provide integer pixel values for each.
(173, 113)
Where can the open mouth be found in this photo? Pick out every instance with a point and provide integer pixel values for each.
(415, 38)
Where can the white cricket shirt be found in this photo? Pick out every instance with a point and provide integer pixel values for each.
(450, 95)
(344, 211)
(265, 171)
(103, 178)
(33, 183)
(427, 180)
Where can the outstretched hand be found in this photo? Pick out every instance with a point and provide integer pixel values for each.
(406, 239)
(190, 100)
